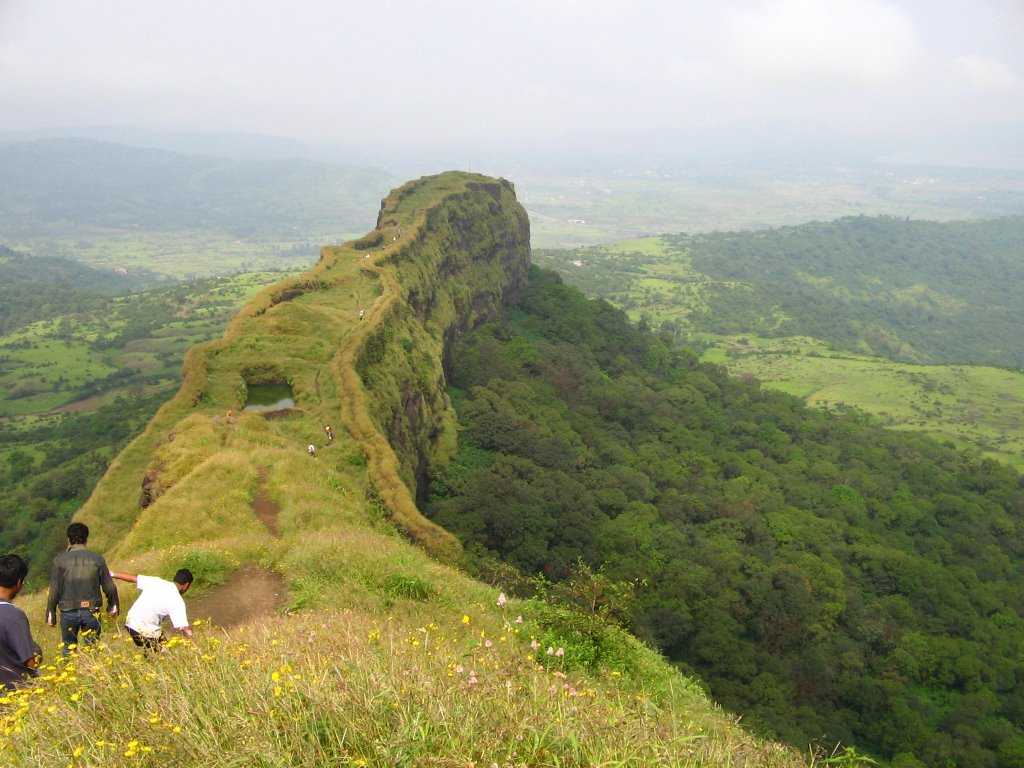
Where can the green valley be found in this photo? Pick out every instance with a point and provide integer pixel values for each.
(143, 210)
(882, 315)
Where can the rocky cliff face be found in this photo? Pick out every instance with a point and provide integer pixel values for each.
(471, 255)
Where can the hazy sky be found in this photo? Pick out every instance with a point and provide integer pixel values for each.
(890, 75)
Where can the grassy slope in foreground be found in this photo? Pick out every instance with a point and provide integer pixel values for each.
(391, 657)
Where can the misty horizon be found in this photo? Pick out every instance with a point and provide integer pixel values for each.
(404, 84)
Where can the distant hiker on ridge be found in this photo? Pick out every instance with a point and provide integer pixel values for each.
(329, 432)
(160, 599)
(19, 654)
(76, 580)
(362, 313)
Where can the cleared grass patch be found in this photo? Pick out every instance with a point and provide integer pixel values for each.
(977, 407)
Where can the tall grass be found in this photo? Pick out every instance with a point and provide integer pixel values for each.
(353, 688)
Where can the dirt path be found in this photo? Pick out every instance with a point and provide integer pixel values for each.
(250, 592)
(265, 508)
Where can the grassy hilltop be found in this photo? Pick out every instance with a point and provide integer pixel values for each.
(360, 649)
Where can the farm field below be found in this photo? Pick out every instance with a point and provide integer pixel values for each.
(178, 255)
(80, 361)
(972, 406)
(604, 208)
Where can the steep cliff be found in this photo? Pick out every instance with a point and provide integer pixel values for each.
(471, 256)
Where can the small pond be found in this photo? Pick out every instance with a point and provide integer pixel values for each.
(266, 398)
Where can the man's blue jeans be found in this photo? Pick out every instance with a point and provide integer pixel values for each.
(72, 623)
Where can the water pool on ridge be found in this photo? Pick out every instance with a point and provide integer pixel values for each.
(266, 398)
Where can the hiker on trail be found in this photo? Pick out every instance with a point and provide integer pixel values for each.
(362, 313)
(160, 599)
(77, 578)
(330, 433)
(19, 654)
(311, 450)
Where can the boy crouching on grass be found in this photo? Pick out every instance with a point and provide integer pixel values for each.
(160, 599)
(19, 654)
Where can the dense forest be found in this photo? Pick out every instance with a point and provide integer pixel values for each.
(830, 580)
(911, 291)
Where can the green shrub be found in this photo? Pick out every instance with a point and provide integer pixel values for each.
(210, 569)
(587, 641)
(399, 586)
(372, 240)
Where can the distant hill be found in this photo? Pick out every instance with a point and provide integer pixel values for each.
(40, 287)
(914, 291)
(53, 185)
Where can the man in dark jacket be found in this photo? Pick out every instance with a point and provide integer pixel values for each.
(75, 583)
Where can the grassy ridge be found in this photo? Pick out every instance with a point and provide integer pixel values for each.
(395, 657)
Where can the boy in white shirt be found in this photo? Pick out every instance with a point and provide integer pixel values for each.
(160, 599)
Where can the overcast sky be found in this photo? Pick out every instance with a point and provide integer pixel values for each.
(887, 75)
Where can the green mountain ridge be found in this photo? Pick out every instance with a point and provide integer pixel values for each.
(74, 388)
(829, 580)
(393, 656)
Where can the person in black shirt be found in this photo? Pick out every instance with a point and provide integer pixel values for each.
(19, 654)
(76, 581)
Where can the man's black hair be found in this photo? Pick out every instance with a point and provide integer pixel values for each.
(78, 533)
(12, 570)
(184, 576)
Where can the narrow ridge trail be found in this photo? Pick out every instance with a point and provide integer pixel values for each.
(249, 593)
